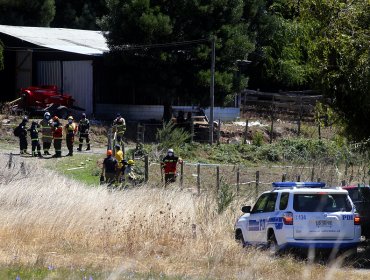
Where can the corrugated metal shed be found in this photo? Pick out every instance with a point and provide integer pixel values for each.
(85, 42)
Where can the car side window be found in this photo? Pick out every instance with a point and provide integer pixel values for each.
(284, 198)
(259, 207)
(271, 202)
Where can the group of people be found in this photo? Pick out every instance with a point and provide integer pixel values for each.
(52, 132)
(117, 170)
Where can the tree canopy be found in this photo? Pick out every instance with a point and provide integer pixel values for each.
(341, 54)
(181, 68)
(79, 14)
(27, 13)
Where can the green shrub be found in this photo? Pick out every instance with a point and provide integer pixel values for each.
(257, 139)
(224, 197)
(171, 137)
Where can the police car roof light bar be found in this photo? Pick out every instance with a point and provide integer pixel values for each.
(298, 185)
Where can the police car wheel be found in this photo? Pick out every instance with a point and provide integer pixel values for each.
(239, 237)
(272, 244)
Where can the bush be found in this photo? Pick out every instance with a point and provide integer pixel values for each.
(257, 139)
(171, 137)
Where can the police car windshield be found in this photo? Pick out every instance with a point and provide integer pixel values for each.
(321, 203)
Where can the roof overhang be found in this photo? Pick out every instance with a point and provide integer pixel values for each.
(86, 42)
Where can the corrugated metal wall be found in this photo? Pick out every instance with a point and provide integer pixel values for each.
(23, 69)
(49, 73)
(77, 79)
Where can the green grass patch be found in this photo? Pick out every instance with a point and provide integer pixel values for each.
(81, 167)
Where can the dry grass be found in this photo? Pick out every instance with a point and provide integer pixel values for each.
(50, 220)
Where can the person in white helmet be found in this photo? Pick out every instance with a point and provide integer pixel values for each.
(169, 165)
(47, 133)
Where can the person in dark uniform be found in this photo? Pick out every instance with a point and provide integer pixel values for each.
(83, 130)
(22, 134)
(109, 170)
(34, 133)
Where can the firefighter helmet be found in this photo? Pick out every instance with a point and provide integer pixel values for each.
(47, 114)
(70, 118)
(55, 118)
(130, 162)
(109, 152)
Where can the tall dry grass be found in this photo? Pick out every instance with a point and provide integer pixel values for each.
(48, 220)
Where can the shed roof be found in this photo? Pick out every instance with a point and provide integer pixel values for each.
(85, 42)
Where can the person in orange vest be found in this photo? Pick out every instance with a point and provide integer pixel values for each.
(57, 136)
(169, 165)
(70, 130)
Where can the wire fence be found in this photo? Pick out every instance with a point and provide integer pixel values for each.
(240, 179)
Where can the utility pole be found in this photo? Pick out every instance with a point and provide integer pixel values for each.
(212, 89)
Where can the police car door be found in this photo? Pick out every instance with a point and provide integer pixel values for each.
(256, 227)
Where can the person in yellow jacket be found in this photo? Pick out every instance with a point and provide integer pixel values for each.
(70, 130)
(119, 157)
(119, 128)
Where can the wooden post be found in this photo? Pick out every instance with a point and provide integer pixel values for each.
(257, 182)
(192, 131)
(218, 132)
(272, 120)
(244, 101)
(198, 178)
(10, 162)
(237, 180)
(181, 174)
(146, 172)
(319, 129)
(245, 132)
(23, 168)
(313, 173)
(298, 178)
(300, 116)
(217, 178)
(109, 144)
(319, 179)
(283, 178)
(343, 183)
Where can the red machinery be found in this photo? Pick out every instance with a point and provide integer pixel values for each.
(36, 100)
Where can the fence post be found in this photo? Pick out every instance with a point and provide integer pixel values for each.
(198, 178)
(319, 129)
(181, 174)
(300, 116)
(237, 180)
(146, 173)
(313, 173)
(283, 178)
(343, 183)
(257, 182)
(23, 168)
(218, 132)
(10, 162)
(272, 120)
(109, 144)
(319, 179)
(298, 178)
(245, 132)
(192, 131)
(217, 178)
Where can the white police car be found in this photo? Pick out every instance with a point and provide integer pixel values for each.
(300, 215)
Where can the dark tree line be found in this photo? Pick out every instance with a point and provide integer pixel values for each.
(306, 44)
